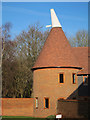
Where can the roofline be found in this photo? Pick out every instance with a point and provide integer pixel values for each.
(81, 47)
(84, 74)
(55, 67)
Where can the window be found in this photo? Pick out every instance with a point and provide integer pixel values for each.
(74, 98)
(74, 78)
(46, 102)
(61, 78)
(36, 102)
(85, 80)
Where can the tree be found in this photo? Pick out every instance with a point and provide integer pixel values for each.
(9, 67)
(6, 33)
(80, 40)
(9, 63)
(0, 62)
(19, 55)
(29, 45)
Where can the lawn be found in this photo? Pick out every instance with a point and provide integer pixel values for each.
(22, 117)
(32, 118)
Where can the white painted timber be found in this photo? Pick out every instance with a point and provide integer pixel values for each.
(54, 19)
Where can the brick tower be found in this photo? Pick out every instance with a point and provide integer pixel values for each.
(55, 71)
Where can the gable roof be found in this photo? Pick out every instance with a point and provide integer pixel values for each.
(82, 56)
(57, 52)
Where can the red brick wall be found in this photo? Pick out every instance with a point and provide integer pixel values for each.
(73, 108)
(46, 84)
(17, 106)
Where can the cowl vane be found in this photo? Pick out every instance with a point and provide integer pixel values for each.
(54, 19)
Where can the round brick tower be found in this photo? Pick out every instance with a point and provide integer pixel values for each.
(55, 71)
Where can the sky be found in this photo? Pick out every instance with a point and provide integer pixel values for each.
(73, 16)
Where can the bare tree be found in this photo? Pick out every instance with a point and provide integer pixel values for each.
(80, 40)
(29, 45)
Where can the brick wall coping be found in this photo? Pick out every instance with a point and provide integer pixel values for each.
(73, 100)
(16, 98)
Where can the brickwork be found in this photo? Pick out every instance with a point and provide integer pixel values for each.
(17, 106)
(72, 109)
(57, 56)
(46, 85)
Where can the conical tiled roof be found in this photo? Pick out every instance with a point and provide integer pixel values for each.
(57, 51)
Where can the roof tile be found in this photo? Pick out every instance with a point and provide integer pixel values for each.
(82, 56)
(57, 51)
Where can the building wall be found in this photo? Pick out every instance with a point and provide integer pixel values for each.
(46, 84)
(82, 88)
(80, 80)
(79, 109)
(17, 106)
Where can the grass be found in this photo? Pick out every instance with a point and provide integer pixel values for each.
(21, 117)
(32, 118)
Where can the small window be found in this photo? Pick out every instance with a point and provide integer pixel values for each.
(46, 103)
(74, 78)
(36, 102)
(61, 80)
(74, 98)
(85, 80)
